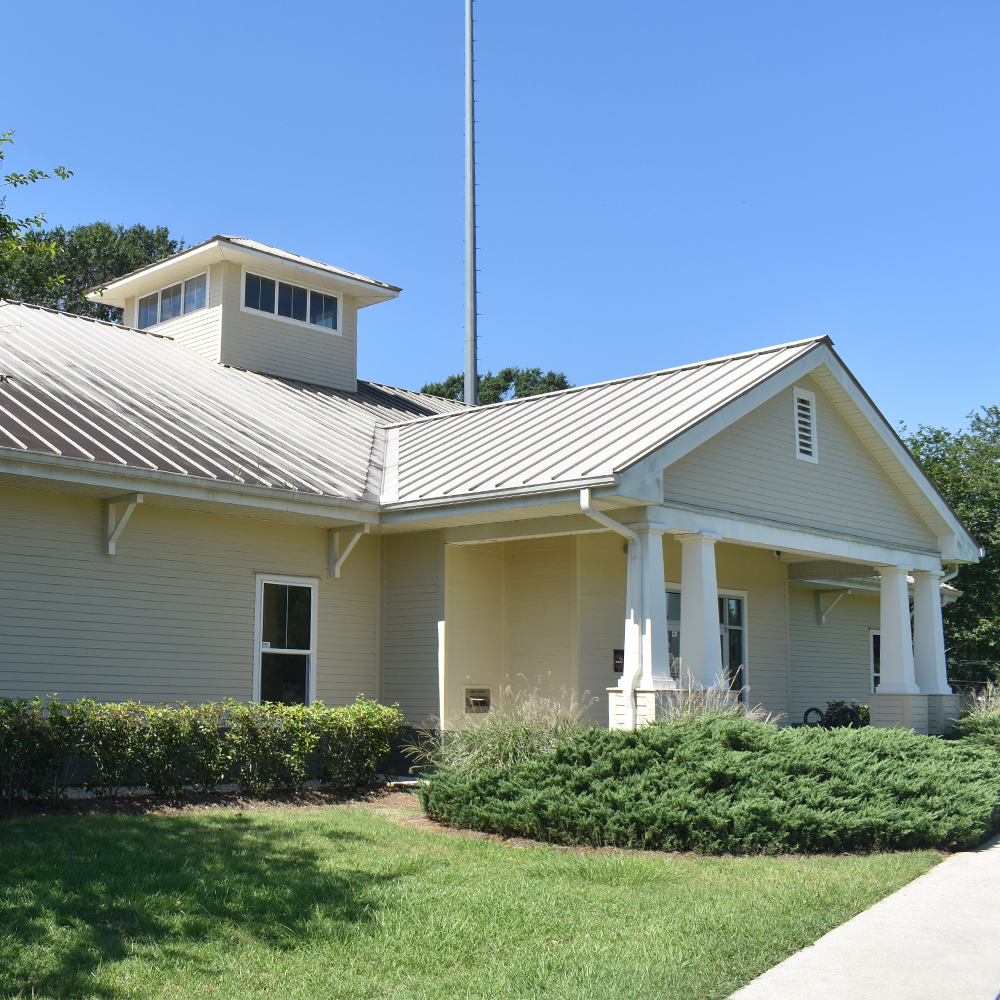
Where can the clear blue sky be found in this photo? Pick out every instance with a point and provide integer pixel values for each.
(659, 182)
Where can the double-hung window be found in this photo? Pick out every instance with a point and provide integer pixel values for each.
(169, 303)
(286, 640)
(291, 302)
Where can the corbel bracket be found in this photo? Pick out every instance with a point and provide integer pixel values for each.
(822, 612)
(338, 557)
(115, 524)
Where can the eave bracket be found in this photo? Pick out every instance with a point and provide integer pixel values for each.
(821, 611)
(115, 524)
(337, 556)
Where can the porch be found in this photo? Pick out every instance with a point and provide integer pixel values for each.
(624, 609)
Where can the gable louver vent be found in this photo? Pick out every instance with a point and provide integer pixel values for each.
(805, 425)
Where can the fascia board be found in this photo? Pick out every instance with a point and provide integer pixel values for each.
(508, 531)
(154, 482)
(402, 513)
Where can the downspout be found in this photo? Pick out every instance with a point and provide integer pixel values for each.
(633, 671)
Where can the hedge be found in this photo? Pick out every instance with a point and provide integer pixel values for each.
(732, 785)
(45, 744)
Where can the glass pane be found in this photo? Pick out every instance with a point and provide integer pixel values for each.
(284, 300)
(147, 310)
(170, 302)
(286, 617)
(722, 611)
(876, 660)
(299, 617)
(274, 627)
(283, 678)
(735, 611)
(251, 295)
(194, 293)
(266, 295)
(735, 658)
(323, 310)
(673, 606)
(299, 297)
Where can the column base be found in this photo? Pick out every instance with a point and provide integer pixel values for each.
(906, 710)
(942, 711)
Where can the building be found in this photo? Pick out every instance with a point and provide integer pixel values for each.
(206, 502)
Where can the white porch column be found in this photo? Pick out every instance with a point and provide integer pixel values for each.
(655, 656)
(897, 641)
(633, 635)
(929, 662)
(701, 651)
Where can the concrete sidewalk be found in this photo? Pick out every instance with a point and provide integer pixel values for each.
(938, 938)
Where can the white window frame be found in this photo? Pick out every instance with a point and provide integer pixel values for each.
(336, 332)
(872, 632)
(159, 292)
(811, 396)
(295, 581)
(742, 594)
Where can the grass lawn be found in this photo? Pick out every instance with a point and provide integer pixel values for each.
(359, 901)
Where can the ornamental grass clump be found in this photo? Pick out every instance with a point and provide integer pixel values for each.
(980, 719)
(726, 784)
(524, 723)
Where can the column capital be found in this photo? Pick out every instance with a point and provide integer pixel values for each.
(893, 570)
(935, 574)
(697, 536)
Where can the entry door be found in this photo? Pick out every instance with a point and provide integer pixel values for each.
(731, 627)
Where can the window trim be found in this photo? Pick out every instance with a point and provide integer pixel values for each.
(159, 292)
(336, 332)
(742, 594)
(811, 396)
(258, 625)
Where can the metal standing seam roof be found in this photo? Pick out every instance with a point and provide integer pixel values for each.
(244, 241)
(590, 432)
(87, 389)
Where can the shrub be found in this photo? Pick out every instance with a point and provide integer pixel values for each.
(354, 740)
(728, 784)
(980, 719)
(185, 746)
(169, 749)
(38, 741)
(837, 714)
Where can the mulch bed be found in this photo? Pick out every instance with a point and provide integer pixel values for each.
(171, 805)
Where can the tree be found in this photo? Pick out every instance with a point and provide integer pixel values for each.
(16, 243)
(508, 383)
(83, 257)
(965, 466)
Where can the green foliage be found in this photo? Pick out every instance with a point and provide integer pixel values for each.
(965, 466)
(83, 257)
(506, 384)
(522, 723)
(185, 746)
(169, 749)
(981, 715)
(15, 244)
(728, 784)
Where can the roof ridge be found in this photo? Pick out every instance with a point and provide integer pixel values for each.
(625, 378)
(86, 319)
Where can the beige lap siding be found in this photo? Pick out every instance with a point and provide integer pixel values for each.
(170, 617)
(412, 606)
(751, 468)
(602, 564)
(830, 662)
(262, 342)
